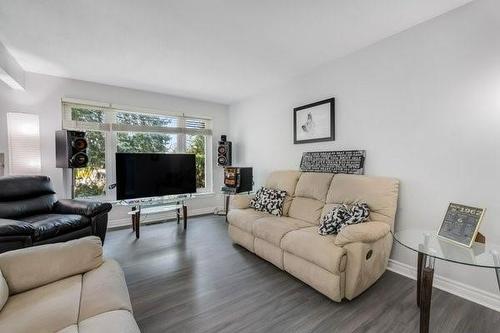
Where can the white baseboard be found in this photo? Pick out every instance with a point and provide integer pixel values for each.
(155, 218)
(453, 287)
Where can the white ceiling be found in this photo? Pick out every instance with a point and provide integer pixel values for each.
(218, 50)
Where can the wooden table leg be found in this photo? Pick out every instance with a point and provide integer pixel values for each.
(425, 296)
(184, 215)
(137, 224)
(226, 205)
(420, 265)
(133, 219)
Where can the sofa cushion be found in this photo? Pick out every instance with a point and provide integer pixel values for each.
(306, 209)
(104, 289)
(49, 308)
(284, 181)
(380, 193)
(313, 185)
(342, 216)
(53, 225)
(307, 244)
(23, 187)
(24, 207)
(36, 266)
(4, 291)
(120, 321)
(272, 229)
(269, 200)
(245, 218)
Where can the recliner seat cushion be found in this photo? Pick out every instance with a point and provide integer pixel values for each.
(272, 229)
(52, 225)
(307, 244)
(245, 218)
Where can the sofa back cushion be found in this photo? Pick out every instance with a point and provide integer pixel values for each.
(310, 196)
(36, 266)
(25, 195)
(306, 209)
(284, 181)
(380, 193)
(313, 185)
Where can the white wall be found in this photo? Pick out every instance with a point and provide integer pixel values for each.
(43, 97)
(425, 104)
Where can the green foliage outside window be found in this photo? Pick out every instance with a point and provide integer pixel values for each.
(91, 180)
(195, 144)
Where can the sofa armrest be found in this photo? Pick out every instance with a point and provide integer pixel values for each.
(240, 201)
(81, 207)
(36, 266)
(363, 232)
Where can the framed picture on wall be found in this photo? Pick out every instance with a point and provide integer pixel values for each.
(314, 122)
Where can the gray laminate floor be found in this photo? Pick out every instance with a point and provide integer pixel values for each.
(200, 282)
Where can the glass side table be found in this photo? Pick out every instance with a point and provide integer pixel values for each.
(429, 248)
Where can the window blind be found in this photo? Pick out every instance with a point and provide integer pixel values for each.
(24, 143)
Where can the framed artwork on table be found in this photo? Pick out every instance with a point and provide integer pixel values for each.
(314, 122)
(461, 224)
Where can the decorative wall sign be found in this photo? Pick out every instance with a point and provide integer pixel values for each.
(461, 224)
(344, 161)
(314, 122)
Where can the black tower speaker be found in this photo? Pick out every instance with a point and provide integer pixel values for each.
(224, 153)
(71, 149)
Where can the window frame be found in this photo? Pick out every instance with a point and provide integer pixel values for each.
(110, 128)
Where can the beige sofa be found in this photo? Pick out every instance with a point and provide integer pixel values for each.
(339, 266)
(64, 287)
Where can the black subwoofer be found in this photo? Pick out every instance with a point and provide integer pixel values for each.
(71, 149)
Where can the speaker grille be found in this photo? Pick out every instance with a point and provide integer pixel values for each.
(224, 153)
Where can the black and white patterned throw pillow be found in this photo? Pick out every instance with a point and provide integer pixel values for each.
(342, 216)
(269, 200)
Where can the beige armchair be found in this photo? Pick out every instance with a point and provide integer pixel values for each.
(64, 287)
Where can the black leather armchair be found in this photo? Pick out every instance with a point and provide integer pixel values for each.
(30, 214)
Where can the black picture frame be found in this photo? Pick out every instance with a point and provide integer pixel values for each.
(331, 136)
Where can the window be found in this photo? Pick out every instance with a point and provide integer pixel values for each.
(111, 130)
(91, 180)
(195, 144)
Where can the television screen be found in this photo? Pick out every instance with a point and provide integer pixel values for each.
(153, 175)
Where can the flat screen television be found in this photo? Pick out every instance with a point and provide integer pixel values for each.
(154, 175)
